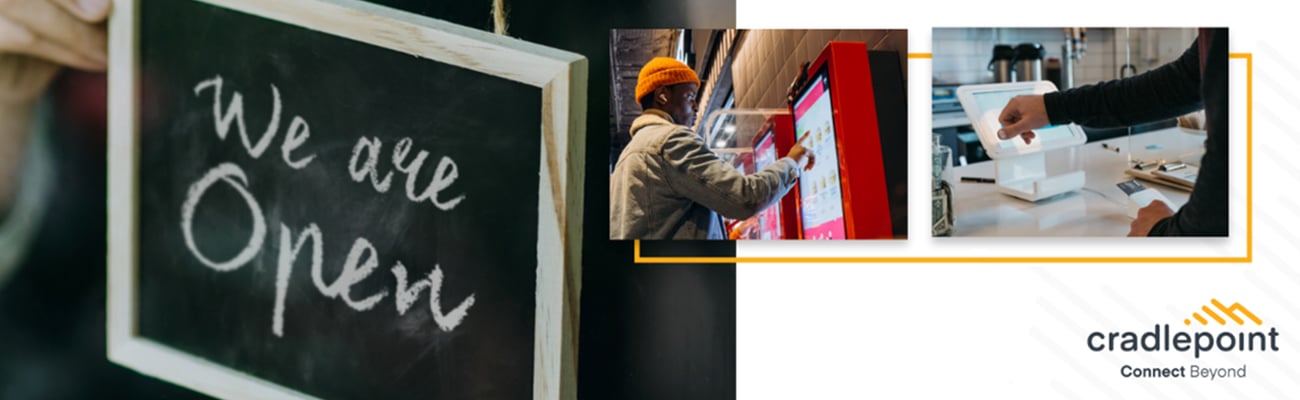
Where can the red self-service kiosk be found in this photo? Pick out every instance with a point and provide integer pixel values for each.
(741, 229)
(771, 222)
(770, 142)
(781, 129)
(846, 194)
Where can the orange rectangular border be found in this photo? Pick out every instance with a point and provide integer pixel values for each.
(1250, 242)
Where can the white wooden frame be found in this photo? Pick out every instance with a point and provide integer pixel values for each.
(561, 75)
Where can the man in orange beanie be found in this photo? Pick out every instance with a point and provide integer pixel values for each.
(667, 184)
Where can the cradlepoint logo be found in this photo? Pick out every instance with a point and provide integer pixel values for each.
(1231, 312)
(1163, 338)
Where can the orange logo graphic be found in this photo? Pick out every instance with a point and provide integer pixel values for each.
(1231, 312)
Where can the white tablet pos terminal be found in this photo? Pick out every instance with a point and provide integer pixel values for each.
(1021, 167)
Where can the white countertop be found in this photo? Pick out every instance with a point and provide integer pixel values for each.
(1099, 209)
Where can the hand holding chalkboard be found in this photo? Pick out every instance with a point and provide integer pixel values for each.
(36, 37)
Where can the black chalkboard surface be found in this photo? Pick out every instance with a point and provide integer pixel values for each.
(333, 199)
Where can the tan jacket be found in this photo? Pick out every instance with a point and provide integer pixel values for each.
(667, 185)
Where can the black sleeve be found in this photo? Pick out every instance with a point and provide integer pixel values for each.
(1206, 211)
(1165, 92)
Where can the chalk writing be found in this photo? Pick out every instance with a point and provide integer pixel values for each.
(362, 258)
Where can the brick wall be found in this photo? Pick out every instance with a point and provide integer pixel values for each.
(768, 60)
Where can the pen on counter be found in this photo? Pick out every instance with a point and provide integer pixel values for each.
(976, 179)
(1109, 147)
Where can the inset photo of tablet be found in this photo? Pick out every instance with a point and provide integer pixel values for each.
(1033, 128)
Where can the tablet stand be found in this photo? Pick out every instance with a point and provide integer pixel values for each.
(1026, 177)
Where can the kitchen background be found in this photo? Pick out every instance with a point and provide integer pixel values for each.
(962, 56)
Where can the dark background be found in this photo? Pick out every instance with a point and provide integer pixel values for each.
(647, 331)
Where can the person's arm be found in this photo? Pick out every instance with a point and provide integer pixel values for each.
(36, 37)
(1165, 92)
(34, 177)
(1206, 210)
(15, 120)
(698, 174)
(1171, 90)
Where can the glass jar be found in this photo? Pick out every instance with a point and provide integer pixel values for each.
(941, 190)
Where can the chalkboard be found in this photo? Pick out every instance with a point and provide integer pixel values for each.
(328, 198)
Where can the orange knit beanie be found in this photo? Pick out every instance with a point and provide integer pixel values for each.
(660, 72)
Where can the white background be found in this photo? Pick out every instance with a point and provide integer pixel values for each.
(937, 331)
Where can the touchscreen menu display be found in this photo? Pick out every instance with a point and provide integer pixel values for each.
(821, 201)
(769, 220)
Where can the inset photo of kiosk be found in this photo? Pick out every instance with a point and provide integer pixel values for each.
(758, 134)
(1079, 132)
